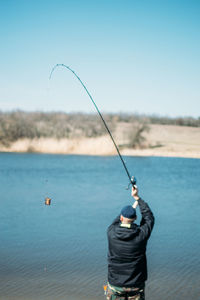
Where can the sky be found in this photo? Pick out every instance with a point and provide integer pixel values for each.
(134, 56)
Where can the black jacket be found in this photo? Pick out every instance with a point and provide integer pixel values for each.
(127, 265)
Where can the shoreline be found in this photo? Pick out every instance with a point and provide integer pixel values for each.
(133, 153)
(162, 140)
(96, 151)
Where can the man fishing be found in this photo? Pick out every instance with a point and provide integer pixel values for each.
(127, 266)
(127, 269)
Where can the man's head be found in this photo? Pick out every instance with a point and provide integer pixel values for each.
(128, 214)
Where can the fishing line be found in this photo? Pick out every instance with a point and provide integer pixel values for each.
(131, 179)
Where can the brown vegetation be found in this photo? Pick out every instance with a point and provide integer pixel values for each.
(129, 131)
(19, 125)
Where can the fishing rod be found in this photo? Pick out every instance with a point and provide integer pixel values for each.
(131, 179)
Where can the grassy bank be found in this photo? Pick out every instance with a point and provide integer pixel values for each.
(85, 134)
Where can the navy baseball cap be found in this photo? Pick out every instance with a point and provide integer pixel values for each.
(128, 212)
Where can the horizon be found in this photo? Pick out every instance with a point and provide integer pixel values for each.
(95, 113)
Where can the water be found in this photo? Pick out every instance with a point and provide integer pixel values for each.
(59, 251)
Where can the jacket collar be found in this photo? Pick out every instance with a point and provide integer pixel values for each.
(125, 225)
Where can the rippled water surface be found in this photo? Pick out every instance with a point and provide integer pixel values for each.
(59, 251)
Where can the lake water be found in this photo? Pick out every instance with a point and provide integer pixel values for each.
(59, 251)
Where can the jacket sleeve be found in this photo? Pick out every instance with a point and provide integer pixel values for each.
(147, 221)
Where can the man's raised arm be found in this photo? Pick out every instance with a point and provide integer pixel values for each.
(147, 221)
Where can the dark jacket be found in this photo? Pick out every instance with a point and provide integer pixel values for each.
(127, 265)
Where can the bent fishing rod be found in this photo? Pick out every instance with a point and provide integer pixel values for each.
(131, 179)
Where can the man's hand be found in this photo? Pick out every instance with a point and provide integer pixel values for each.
(134, 193)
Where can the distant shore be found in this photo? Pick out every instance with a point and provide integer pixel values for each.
(162, 140)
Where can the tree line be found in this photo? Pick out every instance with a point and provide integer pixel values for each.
(16, 125)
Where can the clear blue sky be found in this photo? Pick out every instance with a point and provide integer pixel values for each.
(134, 55)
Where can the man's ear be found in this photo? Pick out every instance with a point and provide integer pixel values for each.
(121, 218)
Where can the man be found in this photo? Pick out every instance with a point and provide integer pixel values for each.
(127, 267)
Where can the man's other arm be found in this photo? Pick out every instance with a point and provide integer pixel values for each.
(147, 221)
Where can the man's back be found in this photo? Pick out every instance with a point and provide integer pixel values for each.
(127, 250)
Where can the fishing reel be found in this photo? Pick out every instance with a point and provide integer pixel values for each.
(132, 182)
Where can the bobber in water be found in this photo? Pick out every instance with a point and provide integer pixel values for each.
(47, 201)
